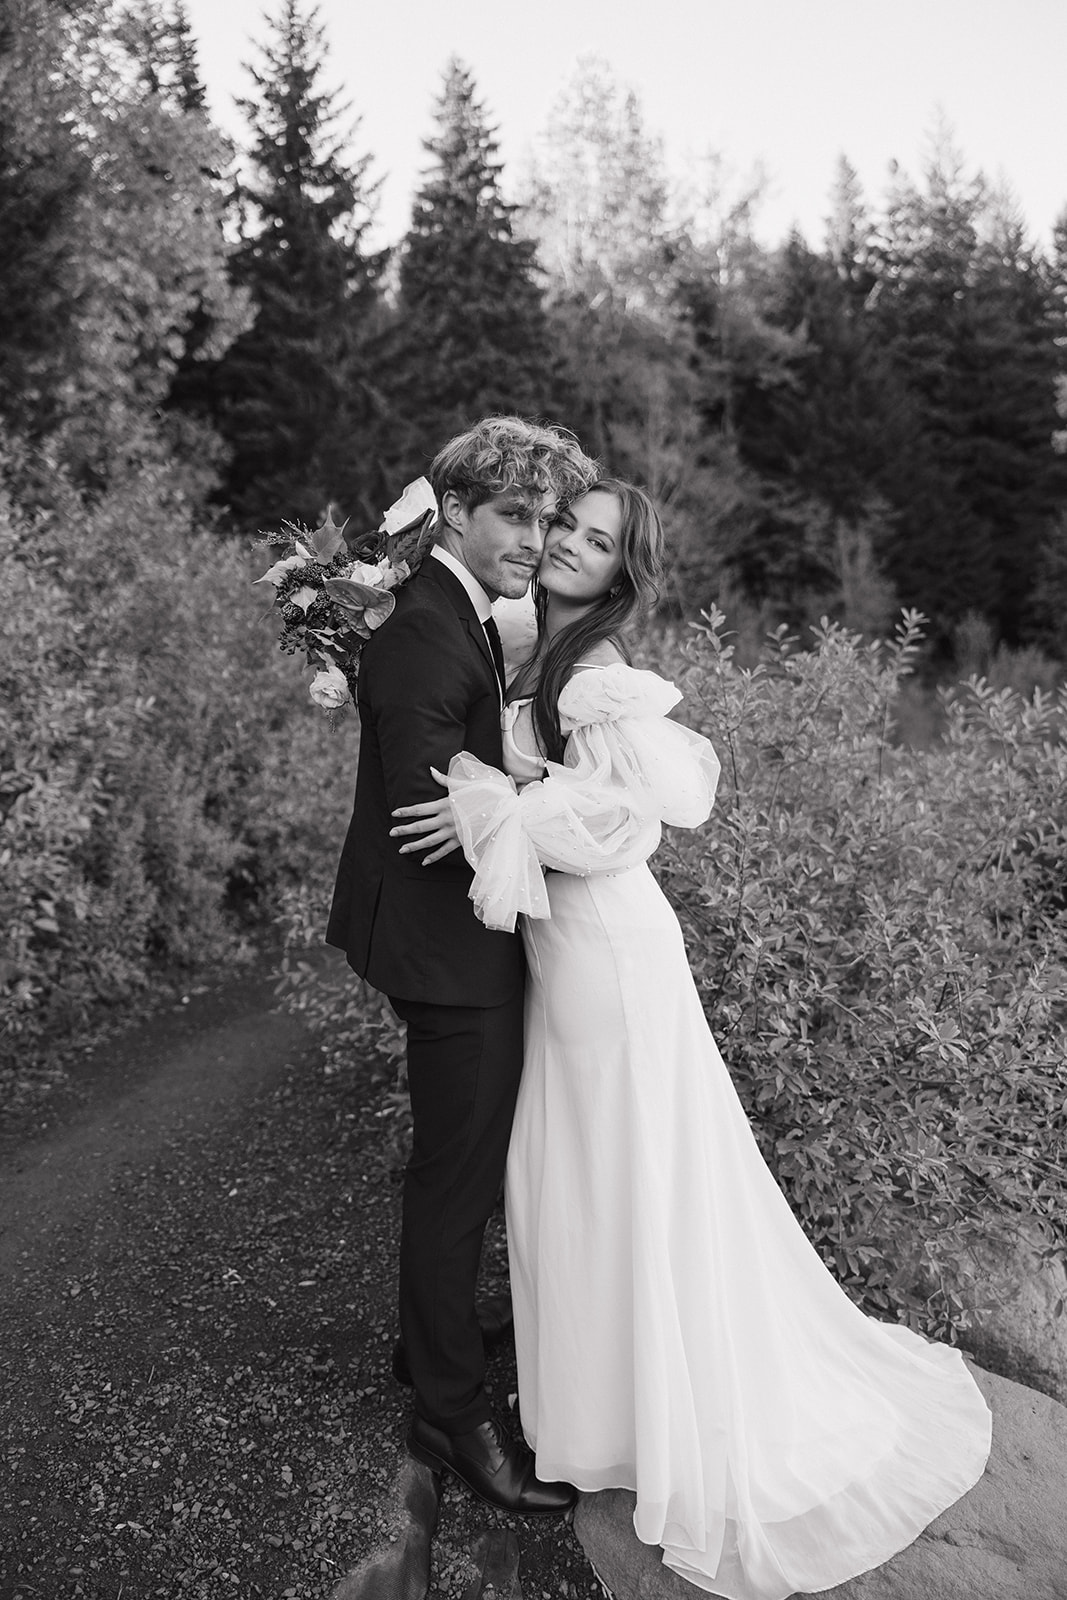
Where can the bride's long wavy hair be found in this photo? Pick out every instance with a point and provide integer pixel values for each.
(633, 593)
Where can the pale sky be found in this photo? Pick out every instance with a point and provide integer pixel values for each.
(792, 84)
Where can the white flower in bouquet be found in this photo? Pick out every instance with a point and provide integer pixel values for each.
(392, 575)
(416, 500)
(332, 594)
(377, 574)
(329, 689)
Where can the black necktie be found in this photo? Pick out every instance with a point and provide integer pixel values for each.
(492, 633)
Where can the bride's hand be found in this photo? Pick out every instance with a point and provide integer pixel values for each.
(434, 820)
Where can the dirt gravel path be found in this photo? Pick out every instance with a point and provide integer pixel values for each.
(197, 1258)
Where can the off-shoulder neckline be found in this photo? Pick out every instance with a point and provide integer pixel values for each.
(590, 666)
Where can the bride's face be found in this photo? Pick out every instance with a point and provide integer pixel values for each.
(583, 549)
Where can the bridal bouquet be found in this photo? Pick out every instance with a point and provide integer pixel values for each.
(332, 593)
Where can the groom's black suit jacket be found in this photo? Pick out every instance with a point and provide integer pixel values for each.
(427, 690)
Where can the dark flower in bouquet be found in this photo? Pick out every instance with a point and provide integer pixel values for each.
(332, 593)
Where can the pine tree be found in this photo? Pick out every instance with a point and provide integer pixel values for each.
(821, 434)
(1045, 619)
(596, 195)
(292, 399)
(964, 311)
(741, 356)
(142, 28)
(848, 230)
(471, 335)
(923, 259)
(595, 201)
(1017, 477)
(1058, 275)
(158, 40)
(1057, 280)
(185, 63)
(190, 394)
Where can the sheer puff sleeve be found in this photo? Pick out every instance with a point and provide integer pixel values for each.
(626, 770)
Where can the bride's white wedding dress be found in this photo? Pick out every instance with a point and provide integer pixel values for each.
(676, 1333)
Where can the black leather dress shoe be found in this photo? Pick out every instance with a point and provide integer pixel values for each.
(494, 1319)
(496, 1468)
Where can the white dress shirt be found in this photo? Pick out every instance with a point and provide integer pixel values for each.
(479, 599)
(482, 603)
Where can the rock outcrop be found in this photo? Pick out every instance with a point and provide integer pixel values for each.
(1005, 1540)
(1024, 1332)
(400, 1570)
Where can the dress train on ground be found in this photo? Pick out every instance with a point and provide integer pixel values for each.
(677, 1335)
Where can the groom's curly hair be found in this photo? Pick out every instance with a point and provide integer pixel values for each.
(501, 453)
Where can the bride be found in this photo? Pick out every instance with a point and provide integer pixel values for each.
(676, 1333)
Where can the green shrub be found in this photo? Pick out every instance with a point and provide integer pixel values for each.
(882, 953)
(879, 937)
(163, 774)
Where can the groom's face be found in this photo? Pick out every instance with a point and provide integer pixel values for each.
(501, 540)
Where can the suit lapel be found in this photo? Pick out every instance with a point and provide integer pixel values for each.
(436, 572)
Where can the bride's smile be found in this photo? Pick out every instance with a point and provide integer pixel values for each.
(583, 549)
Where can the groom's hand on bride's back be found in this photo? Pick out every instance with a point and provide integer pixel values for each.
(430, 826)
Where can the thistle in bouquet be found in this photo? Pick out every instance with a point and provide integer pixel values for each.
(332, 592)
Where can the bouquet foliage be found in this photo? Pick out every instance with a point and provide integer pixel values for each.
(332, 592)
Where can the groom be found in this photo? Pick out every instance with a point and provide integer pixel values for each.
(431, 683)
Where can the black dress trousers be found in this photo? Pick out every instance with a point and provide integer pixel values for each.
(464, 1065)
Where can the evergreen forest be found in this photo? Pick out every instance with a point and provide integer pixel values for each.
(859, 444)
(846, 426)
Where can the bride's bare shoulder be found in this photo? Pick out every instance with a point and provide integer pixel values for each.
(604, 654)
